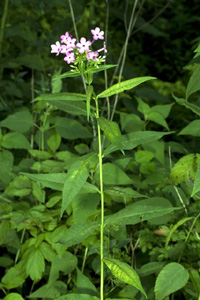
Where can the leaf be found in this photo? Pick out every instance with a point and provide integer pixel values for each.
(124, 192)
(54, 141)
(72, 107)
(35, 265)
(193, 128)
(50, 291)
(15, 276)
(61, 97)
(67, 263)
(71, 129)
(6, 166)
(75, 180)
(122, 86)
(186, 166)
(13, 296)
(53, 181)
(194, 83)
(134, 139)
(68, 74)
(112, 132)
(157, 118)
(171, 279)
(15, 140)
(150, 268)
(100, 68)
(191, 106)
(20, 121)
(173, 229)
(77, 297)
(77, 233)
(112, 174)
(196, 186)
(89, 91)
(125, 273)
(141, 210)
(84, 285)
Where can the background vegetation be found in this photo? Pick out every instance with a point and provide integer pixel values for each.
(37, 138)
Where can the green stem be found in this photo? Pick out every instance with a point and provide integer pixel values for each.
(102, 204)
(3, 22)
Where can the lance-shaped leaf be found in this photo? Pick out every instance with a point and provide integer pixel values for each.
(141, 211)
(125, 273)
(194, 83)
(77, 233)
(112, 132)
(77, 297)
(72, 107)
(191, 106)
(75, 180)
(134, 139)
(125, 85)
(171, 279)
(89, 91)
(68, 74)
(62, 97)
(100, 68)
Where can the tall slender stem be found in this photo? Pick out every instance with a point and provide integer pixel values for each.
(102, 205)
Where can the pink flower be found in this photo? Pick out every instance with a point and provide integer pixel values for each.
(56, 48)
(83, 45)
(69, 57)
(65, 37)
(71, 43)
(92, 55)
(97, 34)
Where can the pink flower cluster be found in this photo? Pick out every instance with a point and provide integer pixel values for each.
(70, 48)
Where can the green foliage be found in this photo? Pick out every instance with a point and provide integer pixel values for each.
(56, 186)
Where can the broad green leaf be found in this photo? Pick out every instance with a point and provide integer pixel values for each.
(20, 121)
(157, 118)
(77, 297)
(100, 68)
(164, 110)
(84, 285)
(71, 107)
(122, 86)
(39, 154)
(191, 106)
(77, 233)
(35, 265)
(6, 166)
(186, 166)
(195, 278)
(84, 206)
(143, 156)
(61, 97)
(194, 83)
(174, 228)
(54, 141)
(125, 273)
(15, 276)
(15, 140)
(75, 180)
(71, 129)
(56, 82)
(193, 128)
(112, 174)
(171, 279)
(124, 192)
(143, 107)
(13, 296)
(134, 139)
(141, 210)
(150, 268)
(196, 186)
(67, 263)
(47, 251)
(49, 291)
(112, 132)
(68, 74)
(53, 181)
